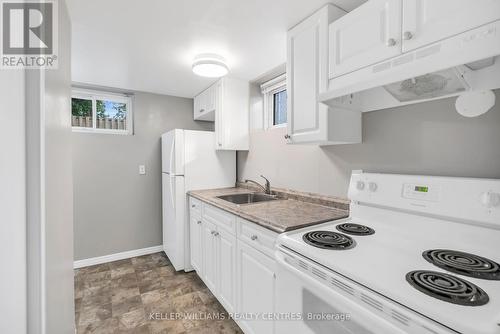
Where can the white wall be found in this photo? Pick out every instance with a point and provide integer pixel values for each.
(427, 138)
(49, 192)
(59, 188)
(12, 203)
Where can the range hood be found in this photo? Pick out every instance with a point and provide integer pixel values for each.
(462, 63)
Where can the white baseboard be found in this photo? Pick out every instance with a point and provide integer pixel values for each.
(117, 256)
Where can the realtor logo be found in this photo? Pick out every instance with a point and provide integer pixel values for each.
(29, 34)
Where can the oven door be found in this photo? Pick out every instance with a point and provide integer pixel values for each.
(324, 303)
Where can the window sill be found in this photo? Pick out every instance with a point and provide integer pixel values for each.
(101, 131)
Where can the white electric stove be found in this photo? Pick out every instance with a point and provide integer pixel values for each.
(417, 255)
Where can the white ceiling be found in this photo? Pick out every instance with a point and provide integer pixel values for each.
(149, 45)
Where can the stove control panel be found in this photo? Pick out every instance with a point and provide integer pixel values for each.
(422, 192)
(470, 199)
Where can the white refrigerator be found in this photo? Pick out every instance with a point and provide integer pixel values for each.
(189, 162)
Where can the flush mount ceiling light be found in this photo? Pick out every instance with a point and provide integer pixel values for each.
(210, 65)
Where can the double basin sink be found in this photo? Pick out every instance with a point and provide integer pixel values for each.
(247, 198)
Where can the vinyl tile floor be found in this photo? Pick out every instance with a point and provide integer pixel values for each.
(145, 295)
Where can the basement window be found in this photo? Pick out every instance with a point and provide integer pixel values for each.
(101, 112)
(275, 102)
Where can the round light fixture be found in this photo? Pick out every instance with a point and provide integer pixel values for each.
(475, 103)
(210, 65)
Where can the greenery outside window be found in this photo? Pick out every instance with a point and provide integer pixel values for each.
(101, 112)
(275, 102)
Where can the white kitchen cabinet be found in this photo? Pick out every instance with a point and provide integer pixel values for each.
(209, 244)
(204, 104)
(226, 269)
(231, 114)
(238, 263)
(309, 121)
(195, 236)
(226, 103)
(218, 253)
(367, 35)
(428, 21)
(256, 286)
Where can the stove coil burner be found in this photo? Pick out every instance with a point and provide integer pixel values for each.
(355, 229)
(447, 287)
(328, 240)
(463, 263)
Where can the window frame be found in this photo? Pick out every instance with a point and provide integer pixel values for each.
(94, 95)
(268, 89)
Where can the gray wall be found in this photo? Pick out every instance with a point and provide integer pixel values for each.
(115, 208)
(428, 138)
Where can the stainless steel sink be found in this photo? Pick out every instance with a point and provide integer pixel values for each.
(247, 198)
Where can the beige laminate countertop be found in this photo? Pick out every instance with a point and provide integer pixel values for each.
(280, 215)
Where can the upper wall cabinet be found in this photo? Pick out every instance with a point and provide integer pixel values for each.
(427, 21)
(204, 104)
(382, 29)
(309, 121)
(226, 102)
(367, 35)
(231, 114)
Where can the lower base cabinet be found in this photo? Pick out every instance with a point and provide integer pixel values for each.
(209, 251)
(236, 264)
(255, 286)
(195, 235)
(226, 269)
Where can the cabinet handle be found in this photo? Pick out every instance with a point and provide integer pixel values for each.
(202, 110)
(407, 35)
(212, 233)
(391, 42)
(216, 234)
(220, 144)
(198, 222)
(287, 136)
(253, 237)
(193, 206)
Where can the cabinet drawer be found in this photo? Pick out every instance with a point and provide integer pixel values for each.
(220, 218)
(194, 206)
(257, 237)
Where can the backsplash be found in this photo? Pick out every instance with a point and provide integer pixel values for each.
(425, 139)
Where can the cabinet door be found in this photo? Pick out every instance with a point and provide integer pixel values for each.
(209, 243)
(307, 66)
(196, 106)
(200, 105)
(226, 269)
(219, 115)
(210, 98)
(256, 287)
(195, 232)
(367, 35)
(428, 21)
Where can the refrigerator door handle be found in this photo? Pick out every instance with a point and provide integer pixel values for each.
(172, 158)
(172, 194)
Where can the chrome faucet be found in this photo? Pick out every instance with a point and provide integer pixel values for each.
(266, 189)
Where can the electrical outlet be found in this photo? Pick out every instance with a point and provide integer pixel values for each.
(142, 169)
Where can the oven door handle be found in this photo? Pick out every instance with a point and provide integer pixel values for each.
(378, 323)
